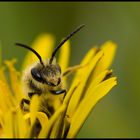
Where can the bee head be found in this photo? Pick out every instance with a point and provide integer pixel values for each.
(48, 73)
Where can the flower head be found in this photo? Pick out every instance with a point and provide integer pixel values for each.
(92, 81)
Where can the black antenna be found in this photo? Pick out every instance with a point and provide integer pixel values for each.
(64, 40)
(25, 46)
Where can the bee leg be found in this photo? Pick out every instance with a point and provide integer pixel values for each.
(22, 103)
(72, 69)
(57, 92)
(30, 94)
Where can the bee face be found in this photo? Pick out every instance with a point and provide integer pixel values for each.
(48, 74)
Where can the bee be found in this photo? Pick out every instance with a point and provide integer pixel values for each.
(44, 78)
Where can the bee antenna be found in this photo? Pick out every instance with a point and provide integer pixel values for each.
(31, 49)
(64, 40)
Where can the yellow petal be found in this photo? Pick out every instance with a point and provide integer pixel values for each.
(6, 100)
(22, 125)
(27, 116)
(65, 122)
(5, 90)
(87, 105)
(43, 45)
(57, 128)
(8, 125)
(109, 49)
(1, 119)
(14, 78)
(65, 127)
(78, 94)
(34, 105)
(90, 54)
(62, 125)
(2, 75)
(70, 92)
(95, 81)
(13, 124)
(47, 130)
(43, 119)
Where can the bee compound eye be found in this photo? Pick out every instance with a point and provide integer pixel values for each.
(37, 75)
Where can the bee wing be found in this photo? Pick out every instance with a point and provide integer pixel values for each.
(43, 45)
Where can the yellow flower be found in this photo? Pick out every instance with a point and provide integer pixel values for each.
(91, 82)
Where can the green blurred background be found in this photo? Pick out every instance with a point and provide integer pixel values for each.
(117, 114)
